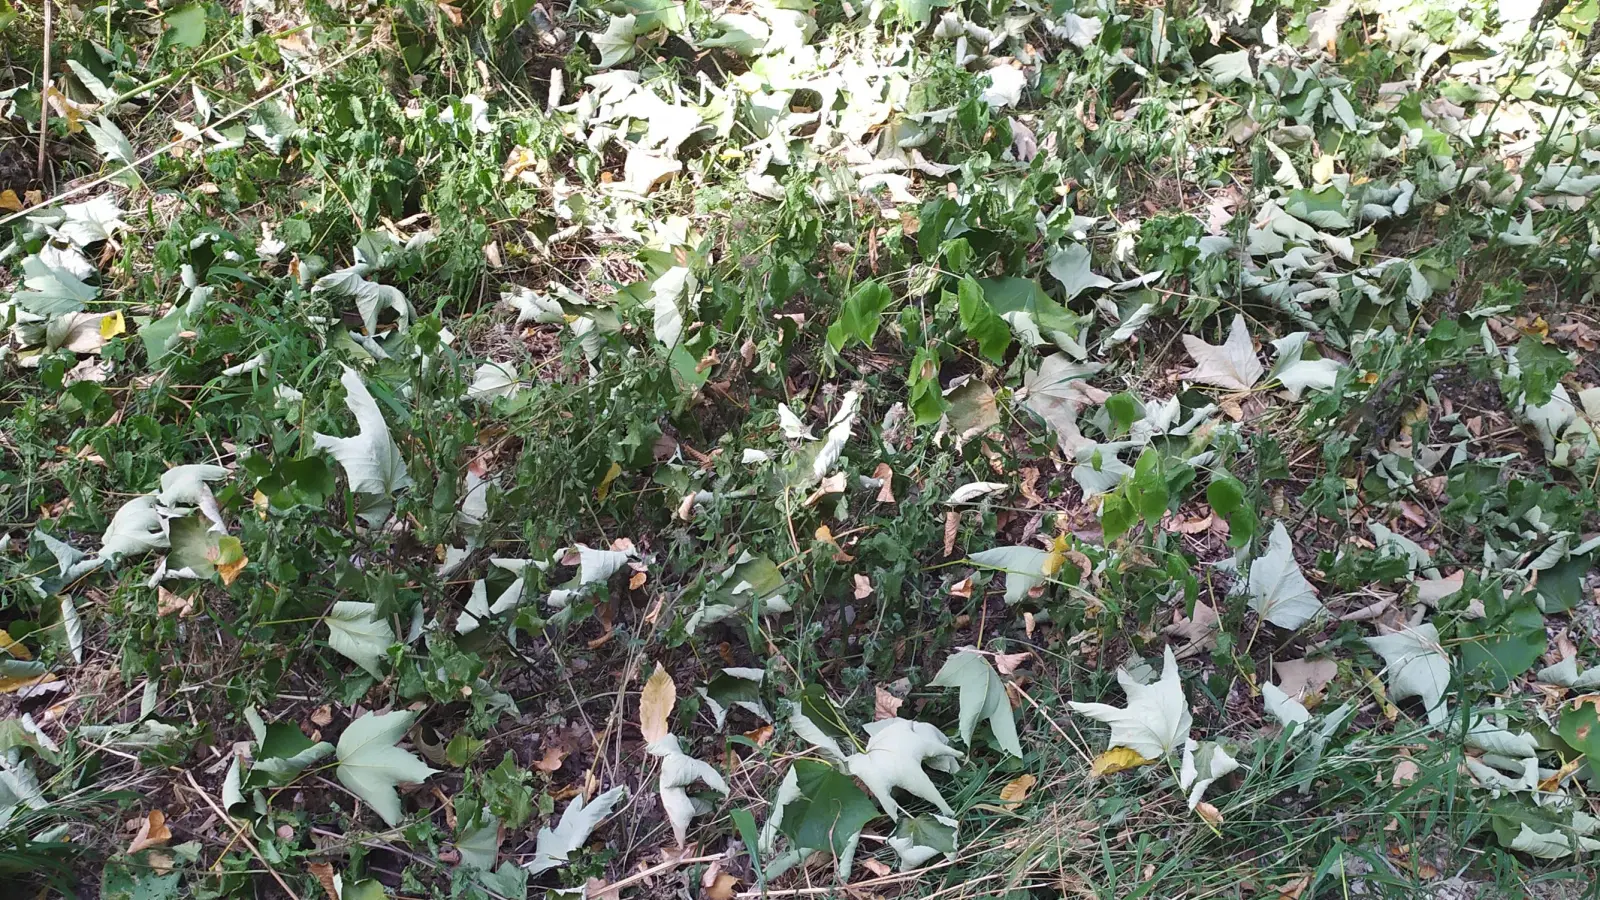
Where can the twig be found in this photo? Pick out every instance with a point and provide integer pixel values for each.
(897, 878)
(239, 833)
(44, 90)
(658, 867)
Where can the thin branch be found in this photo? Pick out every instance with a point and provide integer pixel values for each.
(44, 90)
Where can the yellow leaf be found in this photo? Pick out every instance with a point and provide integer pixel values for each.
(1057, 555)
(152, 833)
(260, 502)
(113, 325)
(1117, 759)
(604, 489)
(655, 705)
(13, 646)
(1017, 791)
(9, 201)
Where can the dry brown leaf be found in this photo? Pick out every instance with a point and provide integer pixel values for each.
(324, 875)
(230, 570)
(595, 889)
(1017, 791)
(962, 589)
(878, 869)
(761, 735)
(1208, 812)
(886, 705)
(1030, 487)
(722, 887)
(323, 716)
(10, 202)
(863, 586)
(1303, 677)
(168, 603)
(1293, 889)
(1027, 620)
(15, 648)
(952, 527)
(1200, 632)
(153, 832)
(1405, 772)
(1006, 663)
(637, 580)
(554, 756)
(660, 694)
(886, 475)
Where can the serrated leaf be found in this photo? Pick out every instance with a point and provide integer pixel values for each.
(894, 758)
(355, 632)
(1279, 592)
(983, 696)
(553, 846)
(370, 764)
(1231, 365)
(371, 461)
(1417, 667)
(1156, 720)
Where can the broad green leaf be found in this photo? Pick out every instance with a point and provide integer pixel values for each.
(1279, 592)
(1033, 316)
(1070, 266)
(894, 758)
(1566, 674)
(1296, 373)
(1505, 643)
(370, 764)
(1282, 707)
(371, 460)
(1579, 726)
(554, 846)
(109, 141)
(981, 322)
(1417, 666)
(983, 696)
(355, 632)
(1323, 208)
(50, 290)
(1024, 568)
(1226, 68)
(1156, 720)
(917, 839)
(283, 752)
(185, 26)
(1226, 496)
(371, 297)
(1203, 763)
(828, 811)
(616, 43)
(860, 316)
(479, 845)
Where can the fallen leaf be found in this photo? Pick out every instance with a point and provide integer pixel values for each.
(878, 869)
(1292, 890)
(554, 756)
(1231, 365)
(1300, 678)
(886, 475)
(962, 589)
(761, 735)
(324, 875)
(1209, 813)
(160, 861)
(168, 603)
(153, 832)
(660, 694)
(1405, 772)
(1117, 759)
(723, 887)
(1017, 791)
(637, 580)
(1006, 663)
(952, 525)
(323, 716)
(10, 202)
(886, 705)
(863, 586)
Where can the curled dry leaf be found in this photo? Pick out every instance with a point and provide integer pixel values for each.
(153, 832)
(1007, 663)
(863, 586)
(554, 756)
(1017, 791)
(660, 694)
(323, 872)
(1208, 812)
(952, 526)
(886, 705)
(886, 475)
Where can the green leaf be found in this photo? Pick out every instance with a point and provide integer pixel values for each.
(1147, 489)
(1117, 516)
(1560, 587)
(50, 290)
(479, 844)
(1503, 644)
(924, 398)
(1030, 312)
(1540, 369)
(831, 810)
(983, 696)
(1580, 728)
(1070, 266)
(1279, 591)
(371, 460)
(355, 632)
(109, 141)
(1323, 208)
(185, 26)
(860, 316)
(1123, 409)
(554, 846)
(370, 764)
(981, 323)
(284, 751)
(1226, 496)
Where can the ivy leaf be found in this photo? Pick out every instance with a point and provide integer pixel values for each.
(1417, 667)
(894, 758)
(578, 821)
(372, 463)
(983, 696)
(1231, 365)
(981, 322)
(1156, 720)
(860, 316)
(1279, 592)
(355, 632)
(370, 764)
